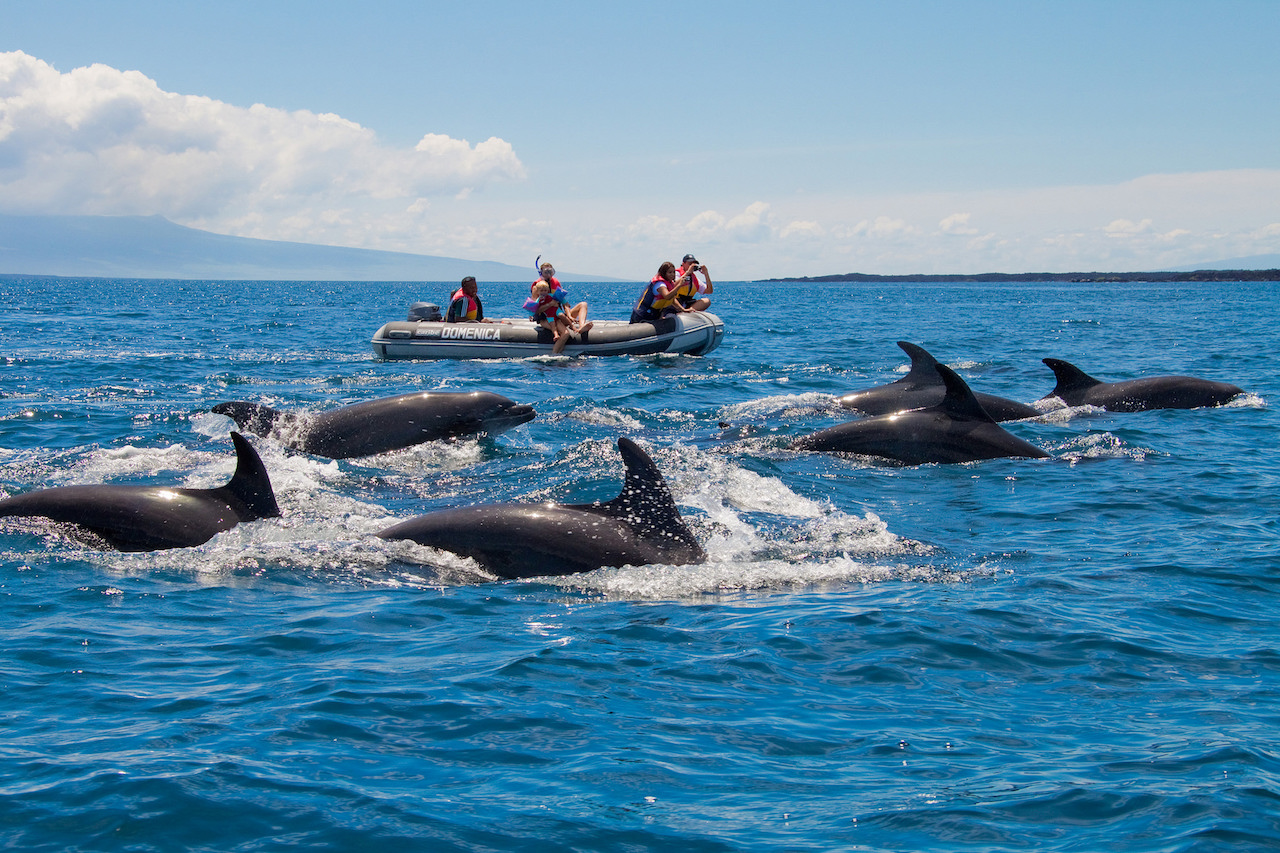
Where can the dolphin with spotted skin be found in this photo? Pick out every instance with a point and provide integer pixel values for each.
(152, 518)
(957, 429)
(1077, 388)
(641, 526)
(922, 386)
(381, 426)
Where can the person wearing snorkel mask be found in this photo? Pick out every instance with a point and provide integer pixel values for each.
(575, 315)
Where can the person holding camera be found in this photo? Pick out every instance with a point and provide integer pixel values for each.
(692, 293)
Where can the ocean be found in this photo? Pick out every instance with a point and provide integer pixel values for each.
(1076, 653)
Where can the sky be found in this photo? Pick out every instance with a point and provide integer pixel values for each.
(770, 139)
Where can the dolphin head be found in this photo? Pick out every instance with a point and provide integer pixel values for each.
(505, 415)
(250, 417)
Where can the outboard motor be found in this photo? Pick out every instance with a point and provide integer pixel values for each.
(424, 311)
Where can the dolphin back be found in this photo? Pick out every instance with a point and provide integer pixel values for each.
(249, 493)
(1072, 381)
(639, 527)
(923, 387)
(150, 518)
(959, 401)
(383, 425)
(922, 365)
(1075, 387)
(898, 394)
(646, 506)
(957, 429)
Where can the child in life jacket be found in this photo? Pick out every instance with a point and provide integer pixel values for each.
(577, 314)
(549, 314)
(548, 289)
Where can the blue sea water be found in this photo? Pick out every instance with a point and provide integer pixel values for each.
(1070, 654)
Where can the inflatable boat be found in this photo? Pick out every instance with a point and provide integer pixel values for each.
(691, 333)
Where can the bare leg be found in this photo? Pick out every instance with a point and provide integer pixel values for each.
(561, 334)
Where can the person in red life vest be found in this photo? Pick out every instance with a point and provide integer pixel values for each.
(464, 305)
(549, 314)
(659, 298)
(577, 314)
(693, 294)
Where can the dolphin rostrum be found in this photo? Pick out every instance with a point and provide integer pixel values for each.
(641, 526)
(957, 429)
(151, 518)
(922, 386)
(381, 426)
(1077, 388)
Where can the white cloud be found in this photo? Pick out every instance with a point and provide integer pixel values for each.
(958, 224)
(1127, 227)
(750, 226)
(705, 225)
(97, 140)
(654, 228)
(805, 230)
(881, 227)
(1172, 236)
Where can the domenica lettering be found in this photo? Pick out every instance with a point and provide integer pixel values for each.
(471, 333)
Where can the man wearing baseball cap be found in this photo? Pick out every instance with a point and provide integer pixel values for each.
(694, 295)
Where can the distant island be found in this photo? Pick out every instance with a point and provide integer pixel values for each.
(1073, 277)
(154, 247)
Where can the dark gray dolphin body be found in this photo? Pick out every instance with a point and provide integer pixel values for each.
(380, 426)
(1077, 388)
(151, 518)
(639, 527)
(957, 429)
(922, 386)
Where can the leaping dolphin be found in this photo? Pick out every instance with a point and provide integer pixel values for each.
(922, 386)
(957, 429)
(639, 527)
(1077, 388)
(151, 518)
(380, 426)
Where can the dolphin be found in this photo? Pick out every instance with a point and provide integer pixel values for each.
(639, 527)
(151, 518)
(1077, 388)
(380, 426)
(957, 429)
(922, 386)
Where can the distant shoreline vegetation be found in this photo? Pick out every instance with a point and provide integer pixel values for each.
(1072, 277)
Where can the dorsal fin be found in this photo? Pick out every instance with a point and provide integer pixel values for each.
(249, 491)
(1070, 378)
(959, 400)
(922, 364)
(251, 417)
(645, 502)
